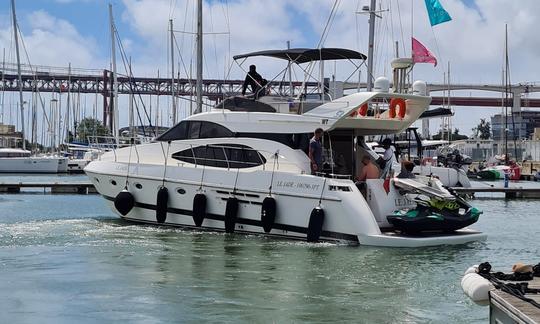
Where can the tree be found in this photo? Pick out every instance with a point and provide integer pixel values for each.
(90, 127)
(483, 130)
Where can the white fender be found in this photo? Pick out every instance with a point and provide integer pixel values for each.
(476, 287)
(471, 269)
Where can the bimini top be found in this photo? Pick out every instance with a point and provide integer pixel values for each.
(304, 55)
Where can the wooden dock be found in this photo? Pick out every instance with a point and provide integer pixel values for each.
(510, 192)
(82, 188)
(505, 308)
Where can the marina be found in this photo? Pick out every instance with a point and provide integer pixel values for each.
(121, 270)
(230, 162)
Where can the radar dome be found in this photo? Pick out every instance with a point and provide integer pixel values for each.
(381, 84)
(419, 88)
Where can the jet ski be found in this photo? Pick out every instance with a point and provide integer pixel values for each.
(437, 210)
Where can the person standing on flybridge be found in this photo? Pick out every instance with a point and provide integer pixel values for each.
(254, 80)
(315, 151)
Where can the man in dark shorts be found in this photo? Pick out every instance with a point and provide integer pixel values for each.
(315, 151)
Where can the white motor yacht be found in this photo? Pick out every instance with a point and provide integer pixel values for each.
(246, 170)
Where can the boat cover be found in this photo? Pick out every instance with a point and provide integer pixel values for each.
(415, 186)
(304, 55)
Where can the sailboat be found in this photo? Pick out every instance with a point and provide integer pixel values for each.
(242, 167)
(508, 168)
(20, 160)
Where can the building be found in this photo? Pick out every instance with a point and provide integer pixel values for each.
(523, 122)
(8, 136)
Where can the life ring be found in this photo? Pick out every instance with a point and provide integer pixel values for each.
(402, 108)
(363, 110)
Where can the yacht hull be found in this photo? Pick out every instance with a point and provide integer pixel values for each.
(31, 165)
(348, 216)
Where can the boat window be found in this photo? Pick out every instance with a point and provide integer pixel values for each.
(295, 141)
(185, 155)
(195, 129)
(221, 156)
(213, 130)
(177, 132)
(14, 154)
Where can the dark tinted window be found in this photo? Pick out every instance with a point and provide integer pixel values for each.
(221, 156)
(177, 132)
(195, 129)
(213, 130)
(294, 141)
(185, 155)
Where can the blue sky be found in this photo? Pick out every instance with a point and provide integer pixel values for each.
(89, 17)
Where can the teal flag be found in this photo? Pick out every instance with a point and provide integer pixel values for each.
(436, 12)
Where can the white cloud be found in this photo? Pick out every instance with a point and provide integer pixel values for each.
(53, 41)
(473, 41)
(253, 25)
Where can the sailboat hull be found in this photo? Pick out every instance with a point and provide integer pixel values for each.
(32, 165)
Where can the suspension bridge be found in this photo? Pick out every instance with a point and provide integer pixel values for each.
(59, 80)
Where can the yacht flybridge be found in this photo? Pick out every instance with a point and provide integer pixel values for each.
(242, 167)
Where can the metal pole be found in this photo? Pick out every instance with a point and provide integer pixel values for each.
(68, 103)
(130, 105)
(172, 74)
(115, 122)
(506, 85)
(199, 55)
(21, 101)
(371, 42)
(3, 92)
(105, 104)
(321, 66)
(290, 72)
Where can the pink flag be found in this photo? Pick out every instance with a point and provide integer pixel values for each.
(420, 54)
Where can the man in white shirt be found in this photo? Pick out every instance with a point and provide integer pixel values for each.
(389, 155)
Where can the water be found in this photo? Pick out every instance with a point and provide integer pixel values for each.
(67, 258)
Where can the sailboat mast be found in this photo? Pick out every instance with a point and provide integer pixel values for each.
(506, 81)
(371, 42)
(199, 56)
(115, 77)
(21, 102)
(68, 122)
(172, 74)
(3, 90)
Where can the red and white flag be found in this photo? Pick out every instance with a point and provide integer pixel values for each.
(420, 54)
